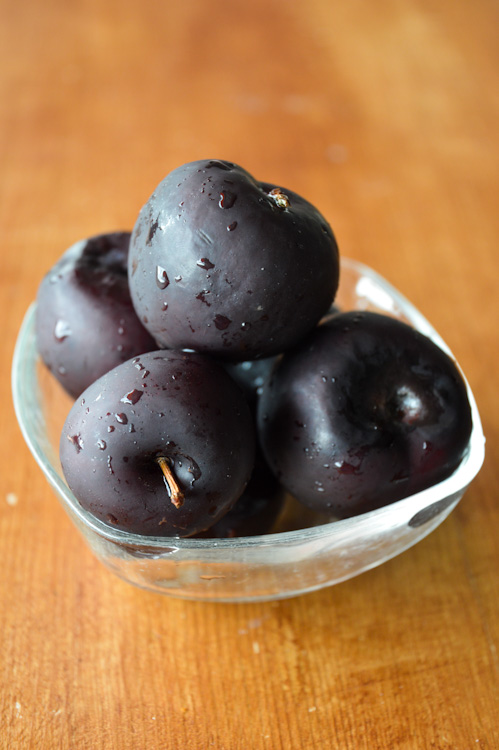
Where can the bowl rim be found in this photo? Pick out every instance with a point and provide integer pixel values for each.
(25, 359)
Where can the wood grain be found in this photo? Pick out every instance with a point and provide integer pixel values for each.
(384, 115)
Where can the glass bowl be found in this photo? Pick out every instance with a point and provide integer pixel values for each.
(286, 563)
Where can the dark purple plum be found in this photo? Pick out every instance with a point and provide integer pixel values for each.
(161, 445)
(85, 320)
(222, 263)
(365, 412)
(250, 376)
(257, 509)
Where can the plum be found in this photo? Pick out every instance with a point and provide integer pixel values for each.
(256, 510)
(161, 445)
(365, 412)
(85, 320)
(250, 376)
(222, 263)
(261, 502)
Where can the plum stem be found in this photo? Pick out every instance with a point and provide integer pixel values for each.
(176, 495)
(280, 198)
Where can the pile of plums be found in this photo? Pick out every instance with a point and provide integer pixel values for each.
(211, 374)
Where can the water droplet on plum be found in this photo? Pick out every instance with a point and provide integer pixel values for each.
(132, 397)
(205, 263)
(227, 199)
(162, 279)
(62, 330)
(222, 322)
(76, 441)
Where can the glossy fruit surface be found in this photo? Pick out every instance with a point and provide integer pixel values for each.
(222, 263)
(250, 376)
(256, 510)
(367, 411)
(85, 320)
(161, 445)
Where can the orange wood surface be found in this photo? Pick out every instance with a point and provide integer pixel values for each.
(385, 116)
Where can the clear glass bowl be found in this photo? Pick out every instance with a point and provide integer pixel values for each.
(289, 562)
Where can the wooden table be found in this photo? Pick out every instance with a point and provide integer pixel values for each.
(383, 114)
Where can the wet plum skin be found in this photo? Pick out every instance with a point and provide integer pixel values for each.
(367, 411)
(261, 502)
(85, 320)
(256, 510)
(174, 404)
(218, 265)
(250, 376)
